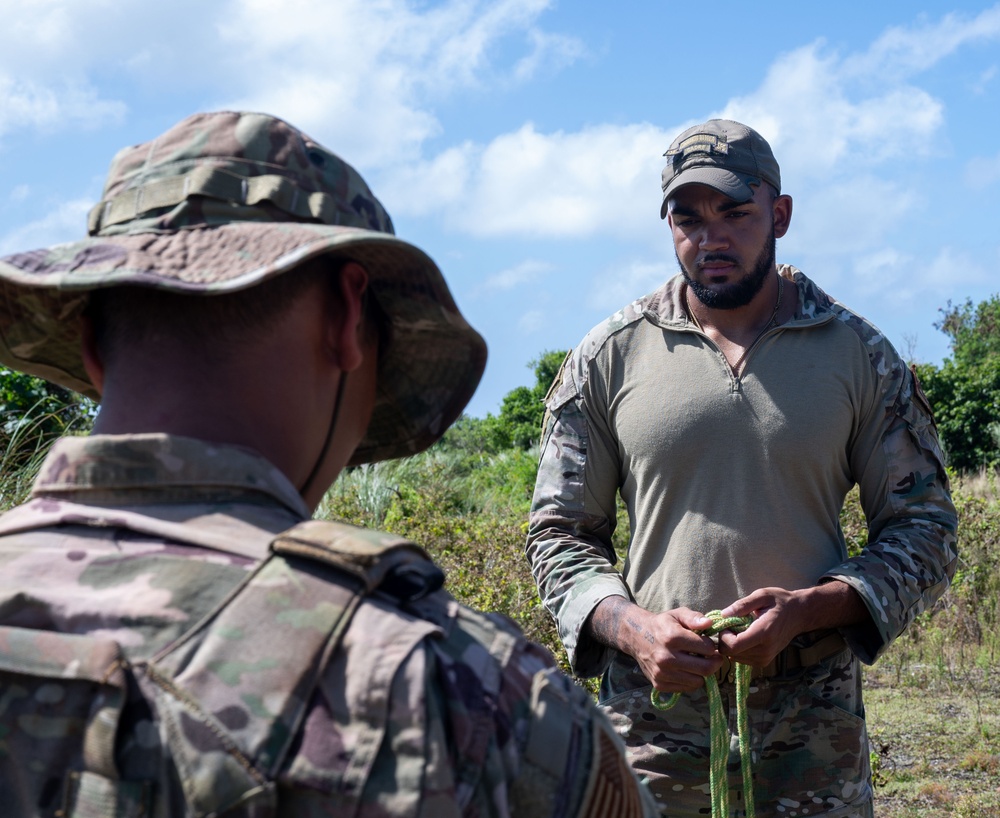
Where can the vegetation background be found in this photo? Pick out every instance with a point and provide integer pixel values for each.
(934, 699)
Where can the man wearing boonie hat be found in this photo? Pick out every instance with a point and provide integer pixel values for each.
(733, 409)
(176, 636)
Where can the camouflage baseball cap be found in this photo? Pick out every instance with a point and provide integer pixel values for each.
(722, 154)
(221, 202)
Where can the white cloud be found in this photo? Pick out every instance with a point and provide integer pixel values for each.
(460, 36)
(848, 217)
(41, 29)
(831, 115)
(832, 128)
(877, 272)
(364, 77)
(600, 180)
(25, 104)
(903, 51)
(896, 278)
(66, 222)
(532, 322)
(984, 80)
(525, 272)
(428, 187)
(54, 55)
(982, 172)
(820, 124)
(621, 283)
(573, 184)
(549, 51)
(164, 44)
(950, 267)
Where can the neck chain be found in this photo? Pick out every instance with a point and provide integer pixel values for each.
(771, 322)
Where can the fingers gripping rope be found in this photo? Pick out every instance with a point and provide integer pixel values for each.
(719, 742)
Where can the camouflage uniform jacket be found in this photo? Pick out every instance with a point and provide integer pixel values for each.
(425, 709)
(736, 483)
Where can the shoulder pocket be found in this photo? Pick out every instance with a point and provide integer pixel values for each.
(561, 392)
(61, 702)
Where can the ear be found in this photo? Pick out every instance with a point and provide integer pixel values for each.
(782, 210)
(346, 330)
(92, 362)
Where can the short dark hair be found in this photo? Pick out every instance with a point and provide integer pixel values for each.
(131, 316)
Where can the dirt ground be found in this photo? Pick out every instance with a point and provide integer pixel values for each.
(935, 739)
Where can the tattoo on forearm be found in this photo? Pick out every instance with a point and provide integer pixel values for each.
(602, 631)
(637, 627)
(606, 623)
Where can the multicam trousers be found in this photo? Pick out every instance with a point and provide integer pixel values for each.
(808, 739)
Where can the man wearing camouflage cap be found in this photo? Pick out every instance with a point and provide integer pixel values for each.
(176, 637)
(733, 409)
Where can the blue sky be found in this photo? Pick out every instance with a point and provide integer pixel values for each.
(520, 142)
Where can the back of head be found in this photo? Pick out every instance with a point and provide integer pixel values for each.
(222, 203)
(156, 323)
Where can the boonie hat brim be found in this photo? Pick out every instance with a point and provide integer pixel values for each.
(427, 374)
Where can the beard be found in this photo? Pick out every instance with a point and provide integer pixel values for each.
(743, 291)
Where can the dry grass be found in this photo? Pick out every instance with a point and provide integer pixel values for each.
(983, 485)
(935, 739)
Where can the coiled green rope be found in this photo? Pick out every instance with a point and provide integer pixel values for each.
(719, 744)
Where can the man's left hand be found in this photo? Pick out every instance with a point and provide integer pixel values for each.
(781, 615)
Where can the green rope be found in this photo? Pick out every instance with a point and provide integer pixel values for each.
(719, 740)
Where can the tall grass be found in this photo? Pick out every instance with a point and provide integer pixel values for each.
(25, 439)
(469, 512)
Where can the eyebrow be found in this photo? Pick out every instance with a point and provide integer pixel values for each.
(731, 204)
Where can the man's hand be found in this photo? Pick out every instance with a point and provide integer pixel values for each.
(781, 615)
(776, 623)
(670, 652)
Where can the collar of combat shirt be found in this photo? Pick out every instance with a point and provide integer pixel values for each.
(227, 498)
(667, 308)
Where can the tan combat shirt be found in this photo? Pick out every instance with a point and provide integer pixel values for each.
(736, 483)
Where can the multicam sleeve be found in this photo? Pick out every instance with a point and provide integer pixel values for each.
(571, 763)
(574, 765)
(911, 554)
(573, 516)
(520, 738)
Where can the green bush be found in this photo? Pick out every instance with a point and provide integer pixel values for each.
(33, 413)
(965, 391)
(473, 525)
(966, 401)
(519, 424)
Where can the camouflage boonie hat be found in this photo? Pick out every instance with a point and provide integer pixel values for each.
(221, 202)
(722, 154)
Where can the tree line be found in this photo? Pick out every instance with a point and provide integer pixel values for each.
(965, 391)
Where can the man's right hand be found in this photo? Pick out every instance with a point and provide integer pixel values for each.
(670, 651)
